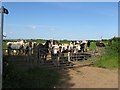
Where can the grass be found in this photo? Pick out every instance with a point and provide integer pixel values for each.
(4, 44)
(110, 58)
(92, 45)
(107, 61)
(30, 78)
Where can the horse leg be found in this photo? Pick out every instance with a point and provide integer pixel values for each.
(19, 52)
(45, 58)
(9, 51)
(42, 58)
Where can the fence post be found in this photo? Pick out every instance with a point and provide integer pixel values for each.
(68, 56)
(36, 54)
(58, 59)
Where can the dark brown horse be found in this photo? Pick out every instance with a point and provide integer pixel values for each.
(43, 50)
(100, 44)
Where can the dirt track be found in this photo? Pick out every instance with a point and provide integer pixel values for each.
(88, 77)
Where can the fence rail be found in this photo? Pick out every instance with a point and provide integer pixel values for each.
(58, 58)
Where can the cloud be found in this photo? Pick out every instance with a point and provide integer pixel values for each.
(42, 27)
(34, 27)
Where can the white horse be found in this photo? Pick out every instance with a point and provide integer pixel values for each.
(15, 46)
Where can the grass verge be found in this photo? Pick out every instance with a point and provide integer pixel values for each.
(109, 59)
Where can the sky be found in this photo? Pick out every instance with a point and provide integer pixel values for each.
(61, 20)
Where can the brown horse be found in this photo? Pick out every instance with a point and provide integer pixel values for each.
(100, 44)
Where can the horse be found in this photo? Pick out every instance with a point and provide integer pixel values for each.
(100, 44)
(15, 47)
(43, 51)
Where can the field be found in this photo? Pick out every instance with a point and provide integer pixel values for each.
(42, 77)
(108, 59)
(42, 41)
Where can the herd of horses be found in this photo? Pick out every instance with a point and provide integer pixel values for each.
(49, 47)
